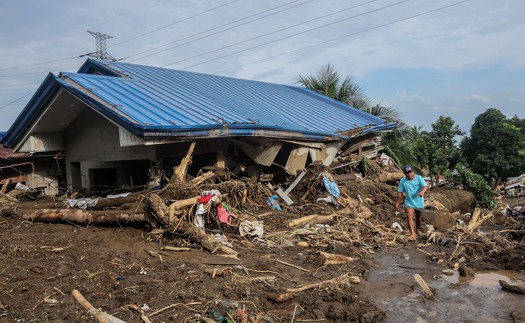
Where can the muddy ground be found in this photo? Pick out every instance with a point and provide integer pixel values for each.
(123, 270)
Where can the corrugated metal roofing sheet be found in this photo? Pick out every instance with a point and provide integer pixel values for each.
(164, 99)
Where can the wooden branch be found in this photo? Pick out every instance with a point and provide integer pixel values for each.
(179, 172)
(346, 278)
(312, 220)
(100, 316)
(200, 179)
(291, 265)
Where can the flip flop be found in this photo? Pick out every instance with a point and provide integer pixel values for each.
(412, 238)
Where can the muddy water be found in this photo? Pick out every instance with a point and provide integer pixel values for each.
(391, 286)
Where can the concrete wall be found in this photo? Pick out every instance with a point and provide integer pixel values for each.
(93, 141)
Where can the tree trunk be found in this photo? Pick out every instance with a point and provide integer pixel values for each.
(83, 217)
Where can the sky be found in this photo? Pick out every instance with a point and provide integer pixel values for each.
(424, 58)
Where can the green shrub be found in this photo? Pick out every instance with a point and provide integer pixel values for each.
(464, 177)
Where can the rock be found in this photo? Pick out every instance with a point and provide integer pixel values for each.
(441, 220)
(465, 271)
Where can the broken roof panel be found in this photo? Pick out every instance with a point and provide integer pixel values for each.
(159, 102)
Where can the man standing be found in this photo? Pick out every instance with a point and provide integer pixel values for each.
(414, 187)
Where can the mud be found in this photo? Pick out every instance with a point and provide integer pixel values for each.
(123, 269)
(391, 286)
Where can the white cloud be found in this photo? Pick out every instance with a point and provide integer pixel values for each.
(479, 98)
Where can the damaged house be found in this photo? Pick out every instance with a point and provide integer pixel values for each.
(41, 170)
(123, 124)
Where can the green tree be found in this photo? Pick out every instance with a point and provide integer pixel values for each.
(464, 177)
(495, 147)
(436, 150)
(327, 81)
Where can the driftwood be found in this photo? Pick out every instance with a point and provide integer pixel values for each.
(343, 279)
(179, 172)
(83, 217)
(161, 212)
(512, 288)
(333, 259)
(312, 220)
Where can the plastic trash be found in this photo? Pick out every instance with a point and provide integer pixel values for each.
(273, 201)
(397, 226)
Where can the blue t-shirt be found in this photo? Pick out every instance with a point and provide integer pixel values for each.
(411, 188)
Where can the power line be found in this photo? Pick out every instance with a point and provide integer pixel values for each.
(12, 102)
(337, 38)
(286, 28)
(174, 23)
(218, 32)
(296, 34)
(36, 64)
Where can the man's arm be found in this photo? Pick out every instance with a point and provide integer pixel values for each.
(424, 189)
(399, 196)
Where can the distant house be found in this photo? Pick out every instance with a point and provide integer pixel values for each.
(116, 122)
(35, 170)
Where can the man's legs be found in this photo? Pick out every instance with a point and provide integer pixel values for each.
(419, 217)
(410, 218)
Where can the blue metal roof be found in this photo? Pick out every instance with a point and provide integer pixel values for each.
(154, 101)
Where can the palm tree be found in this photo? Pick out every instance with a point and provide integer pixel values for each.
(327, 81)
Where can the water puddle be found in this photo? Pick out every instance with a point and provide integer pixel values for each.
(391, 286)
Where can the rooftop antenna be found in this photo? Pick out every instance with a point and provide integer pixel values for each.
(101, 52)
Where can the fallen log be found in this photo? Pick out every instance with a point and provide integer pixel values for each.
(312, 220)
(512, 288)
(390, 177)
(106, 203)
(160, 211)
(83, 217)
